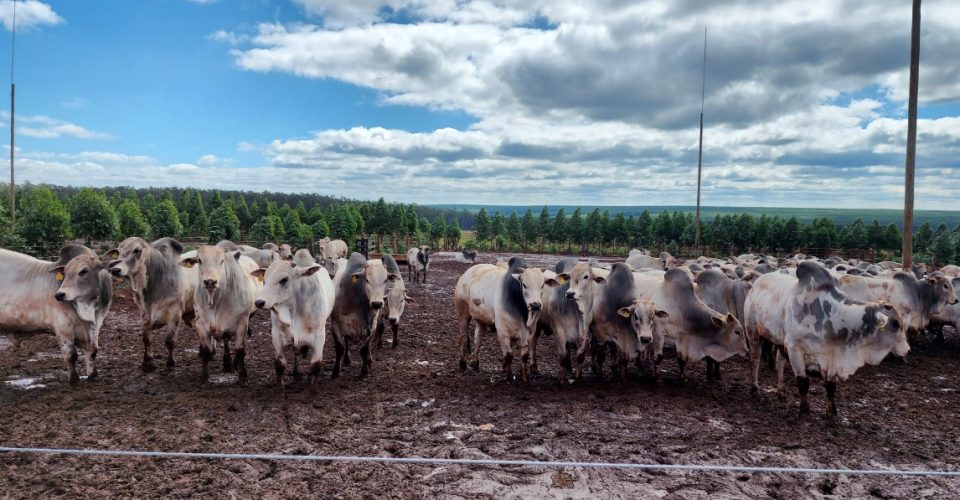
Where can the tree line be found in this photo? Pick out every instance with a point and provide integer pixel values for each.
(50, 215)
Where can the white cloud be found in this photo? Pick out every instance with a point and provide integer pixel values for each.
(30, 14)
(227, 37)
(45, 127)
(209, 160)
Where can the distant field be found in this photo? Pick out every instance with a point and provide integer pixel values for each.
(839, 215)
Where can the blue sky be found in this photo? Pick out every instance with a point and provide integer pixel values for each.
(526, 101)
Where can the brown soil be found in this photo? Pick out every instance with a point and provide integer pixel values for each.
(417, 403)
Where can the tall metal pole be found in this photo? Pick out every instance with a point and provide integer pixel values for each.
(911, 138)
(703, 86)
(13, 183)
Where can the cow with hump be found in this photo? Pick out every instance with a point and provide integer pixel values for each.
(916, 300)
(418, 261)
(394, 303)
(508, 299)
(821, 330)
(71, 297)
(162, 289)
(223, 302)
(559, 319)
(300, 299)
(724, 295)
(360, 291)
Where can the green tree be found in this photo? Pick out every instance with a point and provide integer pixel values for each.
(559, 230)
(243, 213)
(342, 224)
(199, 221)
(165, 220)
(44, 221)
(892, 239)
(438, 230)
(92, 217)
(644, 229)
(453, 234)
(529, 227)
(943, 249)
(923, 239)
(543, 227)
(482, 225)
(131, 221)
(268, 229)
(875, 235)
(215, 202)
(224, 223)
(320, 229)
(575, 229)
(663, 228)
(514, 230)
(791, 237)
(593, 229)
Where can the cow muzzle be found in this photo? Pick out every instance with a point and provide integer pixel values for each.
(536, 306)
(376, 305)
(60, 296)
(210, 283)
(260, 304)
(115, 271)
(572, 295)
(646, 340)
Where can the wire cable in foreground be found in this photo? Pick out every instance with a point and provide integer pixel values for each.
(482, 462)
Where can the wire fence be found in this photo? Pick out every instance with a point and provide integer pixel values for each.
(740, 469)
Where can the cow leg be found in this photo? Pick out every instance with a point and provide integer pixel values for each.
(477, 332)
(681, 365)
(173, 326)
(396, 330)
(69, 350)
(316, 356)
(623, 363)
(378, 332)
(297, 376)
(280, 361)
(424, 275)
(533, 350)
(710, 363)
(338, 362)
(240, 348)
(506, 349)
(366, 357)
(754, 354)
(147, 365)
(781, 361)
(563, 359)
(346, 351)
(831, 388)
(716, 370)
(206, 354)
(803, 383)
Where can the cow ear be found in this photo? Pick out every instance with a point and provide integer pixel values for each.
(236, 255)
(551, 282)
(662, 314)
(409, 300)
(516, 276)
(292, 263)
(730, 318)
(356, 277)
(112, 254)
(310, 271)
(717, 322)
(563, 278)
(392, 277)
(886, 305)
(188, 262)
(625, 312)
(932, 280)
(600, 279)
(258, 273)
(58, 273)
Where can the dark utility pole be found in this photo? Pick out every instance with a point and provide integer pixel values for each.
(13, 183)
(911, 138)
(703, 86)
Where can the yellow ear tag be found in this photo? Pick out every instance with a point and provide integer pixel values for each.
(353, 279)
(625, 314)
(260, 278)
(189, 265)
(59, 276)
(563, 281)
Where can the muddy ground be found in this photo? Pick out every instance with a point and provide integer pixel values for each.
(417, 403)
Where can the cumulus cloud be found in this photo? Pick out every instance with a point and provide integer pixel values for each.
(45, 127)
(30, 14)
(227, 37)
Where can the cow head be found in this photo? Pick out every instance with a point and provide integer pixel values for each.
(279, 282)
(532, 280)
(374, 278)
(80, 283)
(940, 290)
(285, 251)
(396, 300)
(129, 258)
(581, 279)
(643, 319)
(212, 261)
(729, 338)
(891, 332)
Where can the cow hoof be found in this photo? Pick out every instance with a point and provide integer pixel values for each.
(463, 365)
(74, 379)
(394, 344)
(804, 409)
(755, 390)
(148, 367)
(92, 377)
(781, 393)
(171, 364)
(475, 365)
(297, 377)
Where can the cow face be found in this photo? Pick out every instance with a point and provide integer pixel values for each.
(129, 257)
(286, 252)
(644, 319)
(212, 261)
(374, 278)
(279, 282)
(396, 300)
(80, 284)
(941, 288)
(730, 338)
(581, 279)
(532, 280)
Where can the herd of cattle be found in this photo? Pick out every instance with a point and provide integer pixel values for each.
(827, 318)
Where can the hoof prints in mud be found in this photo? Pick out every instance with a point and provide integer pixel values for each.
(417, 403)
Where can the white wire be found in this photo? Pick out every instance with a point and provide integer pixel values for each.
(471, 461)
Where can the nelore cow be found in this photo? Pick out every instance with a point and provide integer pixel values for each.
(949, 316)
(162, 289)
(394, 303)
(223, 302)
(300, 299)
(359, 300)
(559, 319)
(331, 249)
(302, 258)
(507, 299)
(916, 300)
(285, 252)
(821, 330)
(71, 297)
(724, 295)
(466, 257)
(418, 261)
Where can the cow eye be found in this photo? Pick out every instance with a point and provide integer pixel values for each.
(83, 272)
(283, 282)
(199, 262)
(136, 251)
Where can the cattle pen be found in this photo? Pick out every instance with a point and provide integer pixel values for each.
(417, 426)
